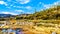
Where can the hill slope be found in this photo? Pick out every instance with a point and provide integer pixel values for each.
(48, 14)
(51, 13)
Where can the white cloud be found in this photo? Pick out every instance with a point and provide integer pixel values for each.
(9, 13)
(9, 0)
(11, 5)
(19, 7)
(47, 6)
(19, 10)
(51, 5)
(3, 3)
(56, 3)
(23, 1)
(14, 6)
(28, 12)
(28, 7)
(40, 3)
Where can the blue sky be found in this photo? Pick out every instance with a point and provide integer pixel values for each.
(15, 7)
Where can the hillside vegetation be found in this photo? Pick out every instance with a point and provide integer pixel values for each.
(48, 14)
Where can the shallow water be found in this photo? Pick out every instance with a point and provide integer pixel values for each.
(8, 31)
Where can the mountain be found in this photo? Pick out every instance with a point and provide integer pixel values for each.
(51, 13)
(5, 15)
(47, 14)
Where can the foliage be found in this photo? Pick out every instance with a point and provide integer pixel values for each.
(48, 14)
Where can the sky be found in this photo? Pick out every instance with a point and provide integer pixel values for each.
(16, 7)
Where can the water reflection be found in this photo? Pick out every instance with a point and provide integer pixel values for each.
(12, 31)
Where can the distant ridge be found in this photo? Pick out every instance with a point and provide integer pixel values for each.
(5, 15)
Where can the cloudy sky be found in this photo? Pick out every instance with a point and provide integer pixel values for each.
(25, 6)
